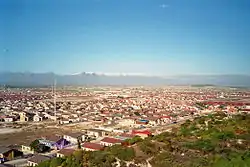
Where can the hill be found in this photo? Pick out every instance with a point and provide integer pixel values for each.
(46, 79)
(216, 140)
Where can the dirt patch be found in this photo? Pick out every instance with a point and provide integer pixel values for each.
(27, 136)
(4, 131)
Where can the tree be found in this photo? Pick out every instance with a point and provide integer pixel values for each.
(78, 156)
(123, 153)
(55, 162)
(38, 147)
(163, 159)
(44, 164)
(148, 147)
(34, 144)
(134, 140)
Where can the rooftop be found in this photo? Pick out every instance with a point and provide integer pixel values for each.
(94, 146)
(111, 140)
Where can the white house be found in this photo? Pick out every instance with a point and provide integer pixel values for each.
(74, 137)
(8, 119)
(38, 118)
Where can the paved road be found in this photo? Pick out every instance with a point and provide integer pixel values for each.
(18, 163)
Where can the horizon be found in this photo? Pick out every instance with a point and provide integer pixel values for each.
(121, 74)
(155, 38)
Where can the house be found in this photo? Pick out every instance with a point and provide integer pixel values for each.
(27, 149)
(108, 141)
(142, 134)
(62, 143)
(74, 137)
(65, 152)
(49, 141)
(38, 118)
(96, 133)
(127, 121)
(36, 159)
(142, 122)
(125, 136)
(9, 119)
(87, 146)
(64, 121)
(153, 121)
(166, 119)
(8, 154)
(25, 116)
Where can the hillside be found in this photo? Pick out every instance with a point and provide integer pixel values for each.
(46, 79)
(210, 141)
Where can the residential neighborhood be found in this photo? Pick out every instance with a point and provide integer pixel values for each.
(97, 117)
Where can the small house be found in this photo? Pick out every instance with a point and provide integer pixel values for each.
(65, 152)
(8, 154)
(87, 146)
(36, 159)
(74, 137)
(108, 141)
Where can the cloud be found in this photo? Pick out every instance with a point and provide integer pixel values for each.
(164, 6)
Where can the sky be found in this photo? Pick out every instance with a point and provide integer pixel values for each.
(156, 37)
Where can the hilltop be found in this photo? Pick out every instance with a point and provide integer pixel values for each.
(216, 140)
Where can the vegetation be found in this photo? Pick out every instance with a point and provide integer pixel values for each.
(134, 140)
(216, 140)
(38, 147)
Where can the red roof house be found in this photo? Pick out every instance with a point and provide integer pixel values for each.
(108, 141)
(143, 134)
(87, 146)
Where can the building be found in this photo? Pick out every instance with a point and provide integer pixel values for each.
(36, 159)
(49, 141)
(25, 116)
(74, 137)
(87, 146)
(142, 134)
(108, 141)
(62, 143)
(8, 119)
(38, 118)
(8, 154)
(65, 152)
(27, 149)
(96, 133)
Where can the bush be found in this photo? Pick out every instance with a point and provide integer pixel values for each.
(204, 145)
(134, 140)
(148, 147)
(123, 153)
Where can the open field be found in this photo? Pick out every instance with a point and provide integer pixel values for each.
(27, 134)
(5, 131)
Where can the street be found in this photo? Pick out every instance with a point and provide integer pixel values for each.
(18, 163)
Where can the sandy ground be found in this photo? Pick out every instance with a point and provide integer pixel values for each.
(8, 130)
(26, 136)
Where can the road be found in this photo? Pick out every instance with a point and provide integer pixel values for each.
(18, 162)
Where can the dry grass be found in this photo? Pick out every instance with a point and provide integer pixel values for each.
(28, 135)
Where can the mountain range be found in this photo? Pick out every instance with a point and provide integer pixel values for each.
(47, 79)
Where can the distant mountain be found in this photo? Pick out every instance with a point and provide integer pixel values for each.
(46, 79)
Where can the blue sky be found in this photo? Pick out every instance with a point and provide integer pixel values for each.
(161, 37)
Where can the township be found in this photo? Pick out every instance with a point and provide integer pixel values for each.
(37, 124)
